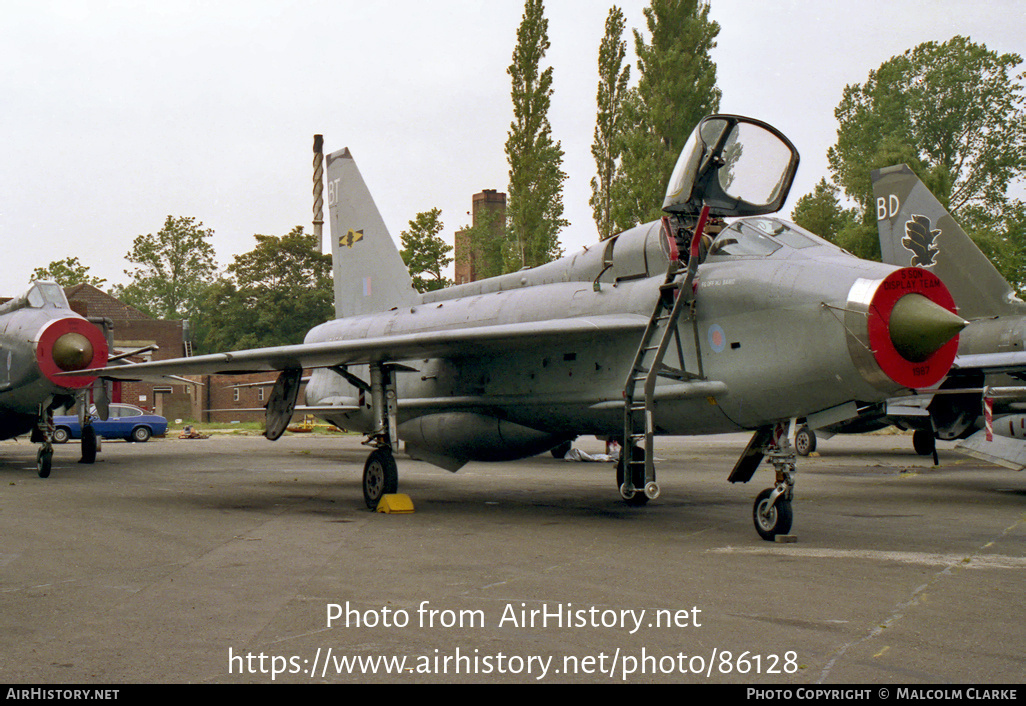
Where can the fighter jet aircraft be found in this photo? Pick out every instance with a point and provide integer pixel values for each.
(915, 229)
(681, 326)
(44, 349)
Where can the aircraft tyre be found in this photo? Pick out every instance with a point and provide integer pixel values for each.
(562, 450)
(804, 441)
(61, 435)
(771, 520)
(923, 442)
(88, 445)
(44, 459)
(639, 498)
(380, 477)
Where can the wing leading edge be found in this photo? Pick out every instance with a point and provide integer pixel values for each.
(429, 344)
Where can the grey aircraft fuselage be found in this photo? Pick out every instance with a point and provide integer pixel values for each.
(40, 336)
(770, 328)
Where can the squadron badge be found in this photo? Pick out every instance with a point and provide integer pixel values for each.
(350, 238)
(921, 240)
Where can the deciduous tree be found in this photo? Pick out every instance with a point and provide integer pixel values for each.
(609, 124)
(270, 296)
(425, 253)
(953, 112)
(676, 89)
(174, 267)
(535, 206)
(67, 272)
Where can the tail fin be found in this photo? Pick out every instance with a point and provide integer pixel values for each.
(915, 229)
(369, 273)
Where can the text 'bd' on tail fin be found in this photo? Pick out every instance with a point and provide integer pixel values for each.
(369, 273)
(916, 230)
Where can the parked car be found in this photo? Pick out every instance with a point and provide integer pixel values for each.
(125, 422)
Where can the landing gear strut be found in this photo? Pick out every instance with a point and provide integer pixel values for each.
(380, 473)
(89, 444)
(44, 434)
(772, 512)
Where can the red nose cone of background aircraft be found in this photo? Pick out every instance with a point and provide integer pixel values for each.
(69, 344)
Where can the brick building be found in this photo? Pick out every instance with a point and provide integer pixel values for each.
(130, 329)
(235, 398)
(467, 260)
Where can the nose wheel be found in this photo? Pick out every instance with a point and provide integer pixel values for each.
(772, 513)
(44, 460)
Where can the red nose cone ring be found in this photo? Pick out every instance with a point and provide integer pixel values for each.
(69, 344)
(929, 368)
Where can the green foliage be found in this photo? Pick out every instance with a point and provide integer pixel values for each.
(175, 266)
(953, 112)
(67, 272)
(609, 124)
(535, 205)
(425, 253)
(1002, 238)
(271, 295)
(821, 212)
(676, 89)
(485, 241)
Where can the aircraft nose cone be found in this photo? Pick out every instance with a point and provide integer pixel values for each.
(72, 351)
(919, 327)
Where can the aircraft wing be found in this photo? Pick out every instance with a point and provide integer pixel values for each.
(1000, 450)
(446, 343)
(1008, 362)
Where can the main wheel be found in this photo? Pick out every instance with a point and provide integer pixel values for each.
(61, 435)
(380, 477)
(562, 450)
(923, 442)
(44, 459)
(639, 498)
(140, 434)
(804, 441)
(771, 521)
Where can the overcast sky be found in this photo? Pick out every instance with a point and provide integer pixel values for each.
(118, 114)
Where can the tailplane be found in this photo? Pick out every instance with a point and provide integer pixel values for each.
(916, 230)
(370, 275)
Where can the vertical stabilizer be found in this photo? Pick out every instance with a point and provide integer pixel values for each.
(369, 273)
(916, 230)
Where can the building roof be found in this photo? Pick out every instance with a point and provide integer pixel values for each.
(100, 304)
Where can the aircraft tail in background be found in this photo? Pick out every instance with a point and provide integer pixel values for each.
(369, 273)
(916, 230)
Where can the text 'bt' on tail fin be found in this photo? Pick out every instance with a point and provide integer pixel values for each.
(916, 230)
(369, 272)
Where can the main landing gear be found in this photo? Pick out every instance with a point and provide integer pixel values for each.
(380, 473)
(380, 476)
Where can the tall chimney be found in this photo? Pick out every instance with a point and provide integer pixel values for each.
(318, 191)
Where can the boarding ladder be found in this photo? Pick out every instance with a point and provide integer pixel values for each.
(676, 295)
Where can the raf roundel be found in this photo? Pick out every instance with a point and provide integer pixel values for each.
(717, 338)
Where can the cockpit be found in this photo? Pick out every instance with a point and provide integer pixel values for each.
(760, 237)
(39, 296)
